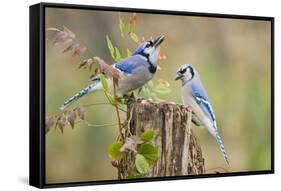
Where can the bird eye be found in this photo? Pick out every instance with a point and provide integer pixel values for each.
(148, 44)
(183, 71)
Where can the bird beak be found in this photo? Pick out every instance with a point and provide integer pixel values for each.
(158, 41)
(178, 76)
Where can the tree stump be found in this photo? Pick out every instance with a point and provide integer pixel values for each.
(178, 148)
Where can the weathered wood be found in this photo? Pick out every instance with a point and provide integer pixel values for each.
(179, 149)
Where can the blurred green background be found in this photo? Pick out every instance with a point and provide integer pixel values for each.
(232, 57)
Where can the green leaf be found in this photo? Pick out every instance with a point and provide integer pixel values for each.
(123, 101)
(149, 152)
(129, 53)
(134, 37)
(118, 56)
(154, 97)
(141, 164)
(146, 91)
(130, 27)
(110, 46)
(147, 135)
(122, 26)
(134, 175)
(112, 98)
(114, 151)
(103, 82)
(160, 89)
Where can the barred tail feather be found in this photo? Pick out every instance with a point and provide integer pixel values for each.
(219, 141)
(93, 87)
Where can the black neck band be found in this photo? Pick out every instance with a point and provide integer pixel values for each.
(191, 71)
(152, 69)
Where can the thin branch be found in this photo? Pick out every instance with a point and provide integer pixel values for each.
(117, 112)
(95, 125)
(103, 103)
(93, 104)
(100, 125)
(121, 109)
(129, 120)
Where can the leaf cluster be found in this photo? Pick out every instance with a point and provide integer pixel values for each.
(66, 37)
(128, 27)
(67, 117)
(152, 91)
(146, 154)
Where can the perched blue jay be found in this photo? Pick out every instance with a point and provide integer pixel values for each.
(134, 71)
(195, 96)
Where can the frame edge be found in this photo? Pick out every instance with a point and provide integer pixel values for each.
(35, 130)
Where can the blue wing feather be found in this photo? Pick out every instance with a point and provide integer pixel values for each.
(129, 64)
(202, 99)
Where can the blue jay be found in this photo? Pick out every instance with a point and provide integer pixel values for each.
(195, 96)
(134, 71)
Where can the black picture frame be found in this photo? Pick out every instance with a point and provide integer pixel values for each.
(37, 93)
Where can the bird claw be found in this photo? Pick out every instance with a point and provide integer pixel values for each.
(130, 97)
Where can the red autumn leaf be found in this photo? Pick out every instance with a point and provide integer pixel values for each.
(115, 82)
(80, 112)
(61, 122)
(108, 70)
(71, 118)
(90, 64)
(49, 123)
(162, 56)
(134, 20)
(86, 63)
(94, 74)
(78, 50)
(51, 32)
(142, 39)
(82, 64)
(71, 47)
(69, 33)
(61, 37)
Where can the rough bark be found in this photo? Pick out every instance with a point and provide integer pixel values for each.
(178, 147)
